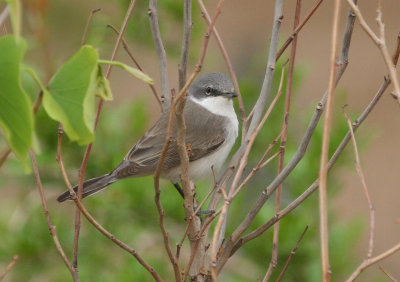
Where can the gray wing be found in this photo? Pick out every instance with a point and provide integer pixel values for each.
(203, 136)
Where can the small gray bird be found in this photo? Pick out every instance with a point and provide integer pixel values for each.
(211, 131)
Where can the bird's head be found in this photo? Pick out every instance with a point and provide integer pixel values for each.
(211, 85)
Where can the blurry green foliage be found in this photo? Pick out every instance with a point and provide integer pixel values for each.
(127, 209)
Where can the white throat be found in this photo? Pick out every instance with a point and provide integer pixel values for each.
(219, 106)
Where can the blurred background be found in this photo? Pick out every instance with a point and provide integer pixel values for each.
(54, 30)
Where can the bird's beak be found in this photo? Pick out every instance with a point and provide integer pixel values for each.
(230, 95)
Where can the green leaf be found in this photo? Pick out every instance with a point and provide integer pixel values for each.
(135, 72)
(72, 93)
(103, 86)
(16, 116)
(15, 14)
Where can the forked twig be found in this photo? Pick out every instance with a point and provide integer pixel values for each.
(380, 42)
(130, 54)
(332, 161)
(371, 261)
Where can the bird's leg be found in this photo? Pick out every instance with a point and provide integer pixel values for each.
(179, 189)
(200, 212)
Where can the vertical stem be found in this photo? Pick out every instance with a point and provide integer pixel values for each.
(187, 32)
(275, 242)
(325, 150)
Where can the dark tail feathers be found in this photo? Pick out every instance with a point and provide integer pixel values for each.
(90, 187)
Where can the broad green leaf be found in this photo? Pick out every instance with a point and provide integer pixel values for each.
(72, 93)
(16, 117)
(135, 72)
(15, 14)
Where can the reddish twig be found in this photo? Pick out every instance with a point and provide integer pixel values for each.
(228, 62)
(82, 169)
(9, 267)
(323, 171)
(275, 240)
(130, 54)
(52, 228)
(387, 274)
(297, 30)
(292, 253)
(91, 219)
(87, 24)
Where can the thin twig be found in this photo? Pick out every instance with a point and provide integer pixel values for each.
(364, 185)
(162, 57)
(323, 170)
(285, 125)
(230, 244)
(314, 186)
(130, 54)
(292, 253)
(4, 14)
(380, 42)
(297, 30)
(87, 24)
(82, 169)
(91, 219)
(387, 274)
(228, 62)
(368, 262)
(332, 161)
(187, 32)
(196, 246)
(9, 267)
(52, 228)
(89, 147)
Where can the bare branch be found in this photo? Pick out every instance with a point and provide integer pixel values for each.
(4, 15)
(162, 57)
(314, 186)
(297, 30)
(228, 62)
(90, 218)
(230, 243)
(323, 171)
(52, 228)
(371, 261)
(275, 243)
(187, 32)
(87, 25)
(364, 185)
(60, 133)
(126, 47)
(292, 253)
(10, 266)
(380, 42)
(387, 274)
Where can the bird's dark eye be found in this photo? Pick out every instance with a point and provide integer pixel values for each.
(208, 90)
